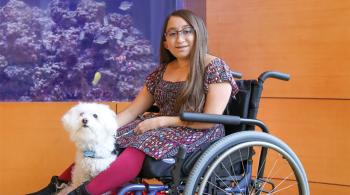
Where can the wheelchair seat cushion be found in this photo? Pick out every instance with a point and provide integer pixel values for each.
(162, 169)
(164, 142)
(153, 168)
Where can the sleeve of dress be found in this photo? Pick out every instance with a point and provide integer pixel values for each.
(218, 72)
(153, 79)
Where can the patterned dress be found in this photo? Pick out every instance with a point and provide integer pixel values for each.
(164, 142)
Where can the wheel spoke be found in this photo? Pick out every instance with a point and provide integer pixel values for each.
(274, 192)
(246, 179)
(216, 176)
(234, 180)
(268, 177)
(283, 181)
(217, 186)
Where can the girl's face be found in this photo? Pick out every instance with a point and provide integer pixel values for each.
(179, 37)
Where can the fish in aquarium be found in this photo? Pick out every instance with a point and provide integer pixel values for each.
(125, 5)
(97, 78)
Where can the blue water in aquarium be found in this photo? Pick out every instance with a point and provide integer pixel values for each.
(78, 50)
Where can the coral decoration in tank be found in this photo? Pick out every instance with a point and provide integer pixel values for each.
(71, 50)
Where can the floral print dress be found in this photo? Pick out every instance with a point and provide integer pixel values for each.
(164, 142)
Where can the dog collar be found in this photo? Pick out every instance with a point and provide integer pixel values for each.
(92, 154)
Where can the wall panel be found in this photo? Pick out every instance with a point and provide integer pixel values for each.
(317, 131)
(308, 39)
(322, 188)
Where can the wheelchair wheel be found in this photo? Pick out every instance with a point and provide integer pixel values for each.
(216, 171)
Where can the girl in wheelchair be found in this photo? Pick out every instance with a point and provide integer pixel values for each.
(188, 79)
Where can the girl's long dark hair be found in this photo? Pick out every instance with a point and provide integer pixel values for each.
(192, 96)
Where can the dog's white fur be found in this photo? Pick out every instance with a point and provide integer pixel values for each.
(91, 126)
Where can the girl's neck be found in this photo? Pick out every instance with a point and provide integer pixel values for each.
(181, 63)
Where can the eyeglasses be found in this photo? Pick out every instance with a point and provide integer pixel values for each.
(173, 34)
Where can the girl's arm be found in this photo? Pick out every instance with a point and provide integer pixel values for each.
(141, 103)
(216, 100)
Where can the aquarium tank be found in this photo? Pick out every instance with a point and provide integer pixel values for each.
(79, 50)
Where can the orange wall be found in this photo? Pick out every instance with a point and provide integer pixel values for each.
(310, 40)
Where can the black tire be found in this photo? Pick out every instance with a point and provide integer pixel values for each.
(203, 175)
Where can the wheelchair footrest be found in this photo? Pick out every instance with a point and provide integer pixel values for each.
(140, 189)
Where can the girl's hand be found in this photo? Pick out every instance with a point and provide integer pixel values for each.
(148, 124)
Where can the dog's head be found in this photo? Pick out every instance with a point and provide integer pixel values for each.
(90, 123)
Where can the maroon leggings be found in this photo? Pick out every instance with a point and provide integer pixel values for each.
(124, 169)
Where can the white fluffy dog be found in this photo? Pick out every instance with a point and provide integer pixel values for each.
(92, 127)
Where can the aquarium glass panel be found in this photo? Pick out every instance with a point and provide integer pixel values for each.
(79, 50)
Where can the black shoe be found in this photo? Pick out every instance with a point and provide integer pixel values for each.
(53, 187)
(81, 190)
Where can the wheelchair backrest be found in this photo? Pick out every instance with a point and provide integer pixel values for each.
(245, 104)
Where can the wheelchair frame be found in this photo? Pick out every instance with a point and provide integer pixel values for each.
(241, 125)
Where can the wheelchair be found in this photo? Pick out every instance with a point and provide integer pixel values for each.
(244, 161)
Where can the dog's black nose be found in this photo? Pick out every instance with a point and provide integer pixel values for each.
(84, 121)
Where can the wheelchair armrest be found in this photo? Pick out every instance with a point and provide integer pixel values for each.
(236, 75)
(223, 119)
(273, 74)
(210, 118)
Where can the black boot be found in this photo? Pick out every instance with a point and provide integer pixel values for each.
(81, 190)
(53, 187)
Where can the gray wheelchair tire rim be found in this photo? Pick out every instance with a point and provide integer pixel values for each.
(248, 144)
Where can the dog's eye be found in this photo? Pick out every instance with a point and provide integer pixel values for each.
(81, 114)
(94, 115)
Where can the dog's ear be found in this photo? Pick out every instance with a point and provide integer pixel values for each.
(68, 119)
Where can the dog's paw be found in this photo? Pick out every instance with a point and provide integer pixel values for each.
(66, 190)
